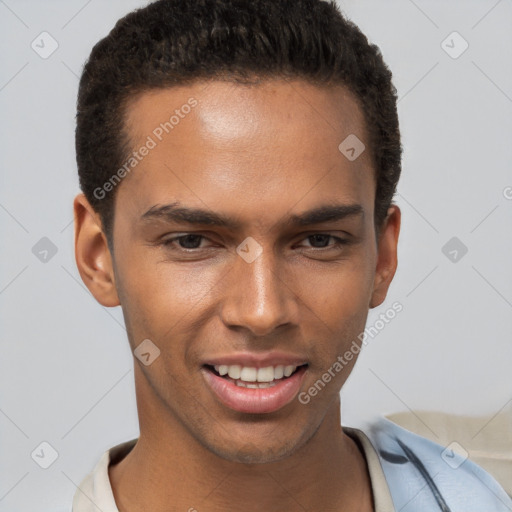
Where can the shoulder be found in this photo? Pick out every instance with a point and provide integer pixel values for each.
(95, 491)
(425, 476)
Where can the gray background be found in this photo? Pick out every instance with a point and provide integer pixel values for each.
(65, 367)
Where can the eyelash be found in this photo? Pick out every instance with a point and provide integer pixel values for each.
(170, 242)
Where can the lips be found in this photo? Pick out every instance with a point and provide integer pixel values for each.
(254, 395)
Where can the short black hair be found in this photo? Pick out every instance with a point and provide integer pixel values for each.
(177, 42)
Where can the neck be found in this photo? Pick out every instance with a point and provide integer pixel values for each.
(169, 466)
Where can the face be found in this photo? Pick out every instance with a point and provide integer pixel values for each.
(244, 235)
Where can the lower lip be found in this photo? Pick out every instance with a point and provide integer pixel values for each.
(255, 400)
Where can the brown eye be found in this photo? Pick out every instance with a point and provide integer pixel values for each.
(321, 241)
(189, 241)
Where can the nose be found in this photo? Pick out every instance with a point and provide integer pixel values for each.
(258, 297)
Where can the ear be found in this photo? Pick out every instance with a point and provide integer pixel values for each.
(92, 254)
(387, 244)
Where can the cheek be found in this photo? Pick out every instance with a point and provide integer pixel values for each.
(157, 295)
(336, 311)
(340, 295)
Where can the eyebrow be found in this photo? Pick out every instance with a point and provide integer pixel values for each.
(196, 216)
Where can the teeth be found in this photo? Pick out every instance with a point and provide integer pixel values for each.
(254, 385)
(234, 371)
(278, 372)
(288, 370)
(265, 374)
(251, 374)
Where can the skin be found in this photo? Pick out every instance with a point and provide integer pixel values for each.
(257, 154)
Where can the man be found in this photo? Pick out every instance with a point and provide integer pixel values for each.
(238, 161)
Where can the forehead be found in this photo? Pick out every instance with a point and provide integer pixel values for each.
(229, 110)
(275, 142)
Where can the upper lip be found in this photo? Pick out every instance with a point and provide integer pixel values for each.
(255, 360)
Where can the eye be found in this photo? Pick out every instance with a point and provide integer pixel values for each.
(321, 241)
(189, 241)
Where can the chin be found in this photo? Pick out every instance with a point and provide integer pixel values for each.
(256, 452)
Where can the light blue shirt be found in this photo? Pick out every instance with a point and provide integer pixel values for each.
(424, 476)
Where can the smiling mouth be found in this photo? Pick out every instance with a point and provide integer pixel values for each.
(254, 378)
(254, 390)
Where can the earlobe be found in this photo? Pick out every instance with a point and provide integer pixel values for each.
(387, 259)
(92, 254)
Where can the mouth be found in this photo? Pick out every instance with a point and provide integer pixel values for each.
(255, 378)
(254, 390)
